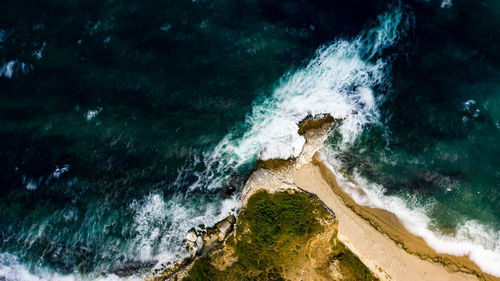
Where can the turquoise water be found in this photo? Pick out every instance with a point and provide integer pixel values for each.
(124, 124)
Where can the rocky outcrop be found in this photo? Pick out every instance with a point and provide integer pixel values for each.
(194, 246)
(277, 174)
(198, 243)
(272, 176)
(284, 235)
(213, 236)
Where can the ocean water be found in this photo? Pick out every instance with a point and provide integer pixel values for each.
(126, 123)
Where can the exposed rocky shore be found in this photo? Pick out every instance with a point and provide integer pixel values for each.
(316, 254)
(341, 246)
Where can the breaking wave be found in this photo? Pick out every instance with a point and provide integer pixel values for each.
(341, 80)
(471, 238)
(338, 81)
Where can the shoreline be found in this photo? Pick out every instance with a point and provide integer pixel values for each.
(389, 224)
(375, 236)
(392, 252)
(370, 234)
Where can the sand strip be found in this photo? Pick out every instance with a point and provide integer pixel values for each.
(376, 236)
(380, 253)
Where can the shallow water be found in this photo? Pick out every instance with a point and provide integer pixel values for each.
(124, 123)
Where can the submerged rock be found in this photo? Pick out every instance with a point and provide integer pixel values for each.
(197, 244)
(217, 244)
(131, 268)
(234, 185)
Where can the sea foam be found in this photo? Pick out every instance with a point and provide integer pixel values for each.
(471, 238)
(9, 68)
(338, 81)
(160, 225)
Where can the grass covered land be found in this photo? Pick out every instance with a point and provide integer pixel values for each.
(281, 236)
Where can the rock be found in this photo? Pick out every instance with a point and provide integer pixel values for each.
(234, 185)
(217, 233)
(192, 236)
(192, 242)
(225, 227)
(166, 271)
(229, 190)
(131, 268)
(199, 245)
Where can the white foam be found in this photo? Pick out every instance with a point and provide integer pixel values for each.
(91, 114)
(166, 27)
(446, 4)
(38, 54)
(161, 225)
(473, 239)
(58, 172)
(337, 81)
(31, 185)
(468, 104)
(11, 269)
(8, 69)
(11, 67)
(149, 217)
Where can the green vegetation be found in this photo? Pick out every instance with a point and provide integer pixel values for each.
(350, 266)
(273, 237)
(202, 270)
(311, 123)
(274, 165)
(276, 223)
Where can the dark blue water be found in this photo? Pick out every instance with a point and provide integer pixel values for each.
(125, 123)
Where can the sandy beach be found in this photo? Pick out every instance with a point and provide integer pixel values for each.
(376, 236)
(379, 252)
